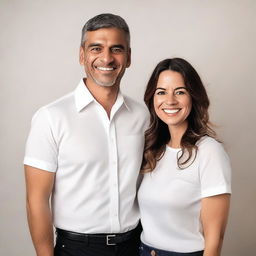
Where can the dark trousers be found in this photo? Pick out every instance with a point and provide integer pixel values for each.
(146, 250)
(66, 247)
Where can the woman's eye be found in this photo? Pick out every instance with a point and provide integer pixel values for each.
(160, 93)
(179, 92)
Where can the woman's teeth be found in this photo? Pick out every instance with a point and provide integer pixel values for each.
(171, 111)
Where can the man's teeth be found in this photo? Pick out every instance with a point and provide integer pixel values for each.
(171, 111)
(105, 69)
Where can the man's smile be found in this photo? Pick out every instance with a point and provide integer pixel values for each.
(105, 68)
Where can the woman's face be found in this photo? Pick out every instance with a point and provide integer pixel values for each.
(172, 101)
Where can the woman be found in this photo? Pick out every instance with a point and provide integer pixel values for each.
(185, 192)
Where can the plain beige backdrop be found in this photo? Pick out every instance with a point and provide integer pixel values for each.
(39, 62)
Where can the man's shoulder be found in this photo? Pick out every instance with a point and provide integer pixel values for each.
(61, 103)
(134, 105)
(57, 107)
(138, 112)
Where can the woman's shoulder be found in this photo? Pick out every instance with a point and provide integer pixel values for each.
(208, 145)
(207, 140)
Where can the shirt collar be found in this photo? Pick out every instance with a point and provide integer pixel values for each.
(121, 100)
(124, 101)
(83, 97)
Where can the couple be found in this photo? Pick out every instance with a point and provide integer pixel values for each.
(86, 151)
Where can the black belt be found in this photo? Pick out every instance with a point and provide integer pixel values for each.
(108, 239)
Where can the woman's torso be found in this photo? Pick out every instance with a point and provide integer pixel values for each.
(170, 198)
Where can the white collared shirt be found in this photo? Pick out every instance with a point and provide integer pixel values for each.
(96, 159)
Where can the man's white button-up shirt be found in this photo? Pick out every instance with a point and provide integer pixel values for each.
(96, 159)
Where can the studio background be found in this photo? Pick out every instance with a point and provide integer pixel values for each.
(39, 63)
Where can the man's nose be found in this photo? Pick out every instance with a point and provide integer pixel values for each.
(107, 57)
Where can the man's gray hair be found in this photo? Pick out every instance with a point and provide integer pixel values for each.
(105, 20)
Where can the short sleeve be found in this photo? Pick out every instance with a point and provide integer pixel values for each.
(214, 168)
(41, 148)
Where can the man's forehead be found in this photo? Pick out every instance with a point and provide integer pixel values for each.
(113, 36)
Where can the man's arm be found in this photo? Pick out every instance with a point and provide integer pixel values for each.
(214, 215)
(39, 184)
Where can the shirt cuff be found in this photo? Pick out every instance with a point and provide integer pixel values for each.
(40, 164)
(216, 191)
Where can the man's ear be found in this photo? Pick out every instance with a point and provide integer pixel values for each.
(81, 56)
(128, 58)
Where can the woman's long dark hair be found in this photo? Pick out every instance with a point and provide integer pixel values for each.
(158, 135)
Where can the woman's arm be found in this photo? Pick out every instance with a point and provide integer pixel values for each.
(214, 215)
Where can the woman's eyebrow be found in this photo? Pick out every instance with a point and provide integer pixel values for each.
(160, 88)
(181, 87)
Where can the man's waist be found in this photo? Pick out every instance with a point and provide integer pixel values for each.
(100, 222)
(100, 238)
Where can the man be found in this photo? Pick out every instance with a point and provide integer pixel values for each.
(84, 151)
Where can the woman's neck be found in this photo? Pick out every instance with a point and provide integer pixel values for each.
(176, 133)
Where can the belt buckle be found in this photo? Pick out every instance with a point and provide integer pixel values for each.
(108, 238)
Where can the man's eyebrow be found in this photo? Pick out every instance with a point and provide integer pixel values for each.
(113, 46)
(118, 46)
(94, 44)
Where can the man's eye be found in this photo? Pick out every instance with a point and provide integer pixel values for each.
(117, 50)
(95, 49)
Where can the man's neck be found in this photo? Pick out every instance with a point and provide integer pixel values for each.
(105, 95)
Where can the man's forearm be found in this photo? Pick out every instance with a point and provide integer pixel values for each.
(40, 225)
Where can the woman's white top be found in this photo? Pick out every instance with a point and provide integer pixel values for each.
(170, 198)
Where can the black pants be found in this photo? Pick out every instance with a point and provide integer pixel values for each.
(66, 247)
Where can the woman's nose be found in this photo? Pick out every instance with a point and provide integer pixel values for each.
(171, 99)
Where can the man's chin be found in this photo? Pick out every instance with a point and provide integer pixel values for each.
(105, 84)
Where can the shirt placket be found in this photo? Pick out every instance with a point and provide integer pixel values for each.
(114, 186)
